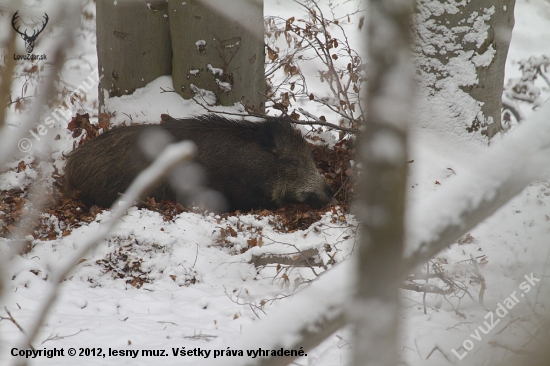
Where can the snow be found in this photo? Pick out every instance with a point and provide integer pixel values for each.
(386, 147)
(214, 70)
(200, 293)
(283, 326)
(146, 104)
(223, 85)
(177, 254)
(443, 102)
(507, 161)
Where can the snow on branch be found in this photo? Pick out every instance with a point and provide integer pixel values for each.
(10, 137)
(170, 157)
(299, 323)
(432, 226)
(502, 173)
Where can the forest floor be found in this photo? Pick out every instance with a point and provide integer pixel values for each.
(170, 277)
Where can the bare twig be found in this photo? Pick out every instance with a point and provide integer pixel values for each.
(196, 256)
(427, 279)
(57, 336)
(206, 337)
(318, 121)
(516, 351)
(436, 348)
(480, 278)
(12, 319)
(303, 36)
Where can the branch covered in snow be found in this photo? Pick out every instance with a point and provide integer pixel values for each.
(503, 172)
(501, 175)
(301, 323)
(10, 137)
(7, 75)
(170, 157)
(303, 258)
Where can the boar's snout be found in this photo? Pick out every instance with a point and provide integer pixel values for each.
(321, 198)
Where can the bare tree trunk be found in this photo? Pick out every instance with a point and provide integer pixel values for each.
(133, 45)
(219, 47)
(491, 78)
(6, 77)
(375, 309)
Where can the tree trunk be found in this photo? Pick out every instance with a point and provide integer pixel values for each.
(491, 78)
(462, 49)
(381, 205)
(220, 48)
(133, 45)
(6, 77)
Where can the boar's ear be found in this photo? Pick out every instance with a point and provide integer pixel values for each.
(267, 140)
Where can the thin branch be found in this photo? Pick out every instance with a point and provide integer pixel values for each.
(12, 319)
(436, 348)
(426, 288)
(169, 158)
(57, 336)
(494, 188)
(304, 329)
(301, 258)
(9, 138)
(323, 123)
(477, 271)
(209, 110)
(7, 77)
(268, 335)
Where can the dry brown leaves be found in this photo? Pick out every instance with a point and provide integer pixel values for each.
(12, 208)
(126, 263)
(81, 122)
(123, 264)
(70, 213)
(168, 209)
(334, 165)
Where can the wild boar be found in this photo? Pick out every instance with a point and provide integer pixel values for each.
(252, 164)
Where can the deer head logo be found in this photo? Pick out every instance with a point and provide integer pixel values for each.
(29, 40)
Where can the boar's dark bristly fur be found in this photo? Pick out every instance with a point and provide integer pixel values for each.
(253, 164)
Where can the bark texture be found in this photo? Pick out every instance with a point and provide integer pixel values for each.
(133, 45)
(466, 42)
(383, 147)
(220, 48)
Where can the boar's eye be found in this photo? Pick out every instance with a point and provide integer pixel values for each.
(293, 163)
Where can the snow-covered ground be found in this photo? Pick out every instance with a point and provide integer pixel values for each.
(193, 285)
